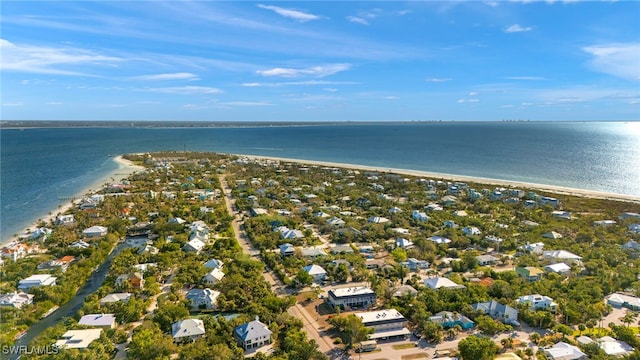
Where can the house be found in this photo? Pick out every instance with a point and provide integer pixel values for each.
(213, 277)
(286, 249)
(538, 302)
(386, 324)
(486, 260)
(15, 251)
(552, 235)
(562, 256)
(187, 330)
(395, 210)
(62, 263)
(115, 297)
(78, 339)
(286, 233)
(257, 212)
(401, 231)
(105, 321)
(404, 243)
(252, 335)
(65, 219)
(634, 228)
(629, 215)
(313, 252)
(40, 232)
(317, 272)
(535, 248)
(620, 300)
(194, 245)
(449, 319)
(335, 221)
(449, 200)
(498, 311)
(321, 214)
(460, 213)
(471, 231)
(441, 282)
(604, 223)
(377, 220)
(439, 239)
(433, 207)
(202, 298)
(414, 264)
(341, 249)
(558, 268)
(547, 200)
(37, 280)
(79, 244)
(135, 280)
(419, 216)
(148, 249)
(613, 347)
(16, 299)
(177, 220)
(405, 290)
(214, 264)
(561, 214)
(564, 351)
(631, 245)
(95, 231)
(352, 297)
(529, 273)
(450, 224)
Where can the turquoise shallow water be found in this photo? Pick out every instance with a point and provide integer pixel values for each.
(40, 165)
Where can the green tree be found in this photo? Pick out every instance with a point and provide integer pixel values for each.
(351, 329)
(477, 348)
(399, 254)
(168, 313)
(304, 278)
(148, 342)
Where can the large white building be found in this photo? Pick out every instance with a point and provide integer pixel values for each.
(538, 302)
(352, 297)
(37, 280)
(386, 324)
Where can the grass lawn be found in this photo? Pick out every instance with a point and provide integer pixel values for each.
(403, 346)
(596, 332)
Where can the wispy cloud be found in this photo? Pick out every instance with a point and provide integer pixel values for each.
(169, 76)
(185, 90)
(358, 20)
(473, 100)
(619, 59)
(391, 98)
(290, 13)
(299, 83)
(315, 71)
(517, 28)
(51, 60)
(439, 80)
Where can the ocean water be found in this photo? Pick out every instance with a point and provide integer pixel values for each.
(38, 166)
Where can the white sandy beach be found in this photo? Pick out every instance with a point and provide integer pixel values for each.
(124, 170)
(449, 177)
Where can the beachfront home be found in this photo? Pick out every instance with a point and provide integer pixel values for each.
(40, 233)
(386, 324)
(202, 298)
(352, 297)
(65, 219)
(441, 282)
(252, 335)
(95, 231)
(37, 280)
(78, 339)
(449, 319)
(538, 302)
(15, 251)
(187, 330)
(16, 299)
(498, 311)
(213, 277)
(105, 321)
(317, 272)
(115, 297)
(529, 273)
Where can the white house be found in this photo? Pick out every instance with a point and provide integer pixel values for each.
(564, 351)
(65, 219)
(214, 264)
(95, 231)
(202, 298)
(535, 248)
(558, 268)
(252, 335)
(604, 223)
(16, 299)
(538, 302)
(105, 321)
(115, 297)
(634, 228)
(415, 264)
(187, 330)
(287, 249)
(194, 245)
(439, 239)
(404, 243)
(395, 210)
(377, 220)
(498, 311)
(419, 216)
(620, 300)
(286, 233)
(631, 245)
(37, 280)
(561, 214)
(613, 347)
(552, 235)
(79, 244)
(441, 282)
(336, 221)
(386, 324)
(214, 276)
(352, 297)
(316, 271)
(78, 339)
(471, 230)
(562, 256)
(484, 260)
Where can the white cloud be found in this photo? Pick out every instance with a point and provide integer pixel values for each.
(50, 60)
(403, 12)
(358, 20)
(169, 76)
(460, 101)
(299, 83)
(517, 28)
(391, 98)
(185, 90)
(620, 59)
(290, 13)
(438, 80)
(473, 93)
(316, 71)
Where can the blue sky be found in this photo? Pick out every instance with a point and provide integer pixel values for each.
(320, 60)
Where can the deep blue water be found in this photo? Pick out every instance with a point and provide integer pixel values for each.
(40, 165)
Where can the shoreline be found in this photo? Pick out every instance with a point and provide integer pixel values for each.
(560, 190)
(124, 170)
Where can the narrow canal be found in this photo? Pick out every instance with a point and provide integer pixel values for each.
(70, 308)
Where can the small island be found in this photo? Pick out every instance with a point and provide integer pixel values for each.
(217, 256)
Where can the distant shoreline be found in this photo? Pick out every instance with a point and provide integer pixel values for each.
(560, 190)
